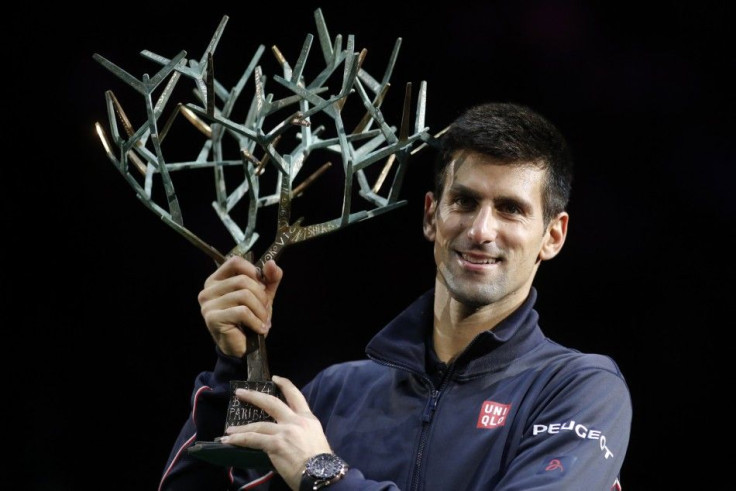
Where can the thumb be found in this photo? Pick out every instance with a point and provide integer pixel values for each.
(272, 275)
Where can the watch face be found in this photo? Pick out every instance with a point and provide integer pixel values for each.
(324, 466)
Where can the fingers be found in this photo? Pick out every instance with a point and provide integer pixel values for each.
(253, 435)
(294, 397)
(233, 304)
(256, 289)
(238, 296)
(272, 275)
(233, 266)
(235, 273)
(272, 272)
(276, 408)
(296, 435)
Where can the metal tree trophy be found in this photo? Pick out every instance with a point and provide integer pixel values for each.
(311, 110)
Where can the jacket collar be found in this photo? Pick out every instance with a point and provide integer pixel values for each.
(403, 342)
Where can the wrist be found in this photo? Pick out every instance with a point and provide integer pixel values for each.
(228, 368)
(322, 470)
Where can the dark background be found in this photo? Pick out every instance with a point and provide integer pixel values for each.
(100, 295)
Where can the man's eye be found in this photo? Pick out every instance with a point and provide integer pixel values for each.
(510, 209)
(463, 201)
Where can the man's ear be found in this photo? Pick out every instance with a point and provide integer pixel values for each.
(554, 237)
(429, 225)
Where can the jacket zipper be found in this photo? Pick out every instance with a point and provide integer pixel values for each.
(427, 415)
(431, 406)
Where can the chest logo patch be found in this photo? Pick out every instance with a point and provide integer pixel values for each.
(492, 414)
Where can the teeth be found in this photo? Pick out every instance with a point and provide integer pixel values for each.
(475, 260)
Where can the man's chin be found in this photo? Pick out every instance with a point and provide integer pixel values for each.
(473, 299)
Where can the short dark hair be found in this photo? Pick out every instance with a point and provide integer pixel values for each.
(514, 134)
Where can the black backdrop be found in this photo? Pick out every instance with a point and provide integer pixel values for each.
(100, 295)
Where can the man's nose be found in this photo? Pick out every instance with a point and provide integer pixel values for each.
(483, 228)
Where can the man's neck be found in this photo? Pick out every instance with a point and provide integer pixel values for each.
(456, 324)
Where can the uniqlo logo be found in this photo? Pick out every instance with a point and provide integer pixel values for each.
(493, 414)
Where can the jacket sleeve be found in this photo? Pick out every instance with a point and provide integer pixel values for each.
(577, 436)
(206, 421)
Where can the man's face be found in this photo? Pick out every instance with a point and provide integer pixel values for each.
(488, 230)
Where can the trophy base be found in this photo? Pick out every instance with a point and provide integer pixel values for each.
(230, 455)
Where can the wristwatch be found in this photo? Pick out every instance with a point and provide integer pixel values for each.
(322, 470)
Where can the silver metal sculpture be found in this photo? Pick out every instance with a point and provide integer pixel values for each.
(313, 114)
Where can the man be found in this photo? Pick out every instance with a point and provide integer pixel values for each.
(462, 390)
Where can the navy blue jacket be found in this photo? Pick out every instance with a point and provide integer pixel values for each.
(515, 411)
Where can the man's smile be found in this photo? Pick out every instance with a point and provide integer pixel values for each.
(475, 260)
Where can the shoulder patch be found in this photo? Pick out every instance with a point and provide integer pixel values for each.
(557, 465)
